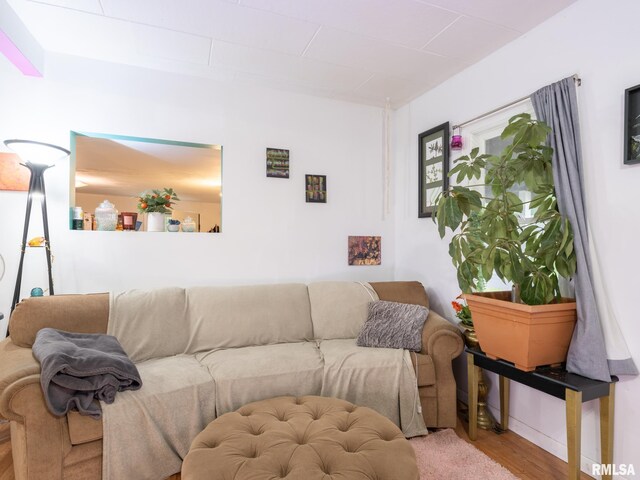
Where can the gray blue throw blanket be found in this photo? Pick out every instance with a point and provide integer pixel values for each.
(77, 368)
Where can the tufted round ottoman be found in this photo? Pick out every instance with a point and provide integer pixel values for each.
(304, 438)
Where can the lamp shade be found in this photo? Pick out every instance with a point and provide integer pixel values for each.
(37, 153)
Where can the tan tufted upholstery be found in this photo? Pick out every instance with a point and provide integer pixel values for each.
(303, 438)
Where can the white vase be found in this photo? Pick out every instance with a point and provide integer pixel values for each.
(155, 222)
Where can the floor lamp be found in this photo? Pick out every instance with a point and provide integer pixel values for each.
(38, 157)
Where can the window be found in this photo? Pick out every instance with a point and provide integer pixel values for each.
(485, 134)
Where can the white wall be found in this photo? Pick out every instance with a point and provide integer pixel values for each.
(269, 234)
(598, 41)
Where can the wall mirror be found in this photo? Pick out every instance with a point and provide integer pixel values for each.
(119, 168)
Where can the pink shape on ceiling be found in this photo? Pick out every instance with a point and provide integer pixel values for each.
(15, 56)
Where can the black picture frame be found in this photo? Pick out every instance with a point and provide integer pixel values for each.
(277, 162)
(433, 167)
(632, 125)
(315, 188)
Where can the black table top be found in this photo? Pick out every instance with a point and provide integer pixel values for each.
(553, 381)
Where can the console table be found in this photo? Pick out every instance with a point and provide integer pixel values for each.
(573, 389)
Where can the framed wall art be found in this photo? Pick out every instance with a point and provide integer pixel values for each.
(433, 166)
(365, 250)
(632, 125)
(316, 188)
(277, 163)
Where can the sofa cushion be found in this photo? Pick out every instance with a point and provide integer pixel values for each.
(359, 374)
(172, 321)
(150, 323)
(247, 374)
(225, 317)
(159, 421)
(393, 325)
(339, 309)
(425, 371)
(83, 428)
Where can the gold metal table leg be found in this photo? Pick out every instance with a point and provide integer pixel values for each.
(574, 423)
(504, 403)
(473, 374)
(606, 428)
(485, 417)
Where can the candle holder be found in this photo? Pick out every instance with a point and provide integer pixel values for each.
(456, 139)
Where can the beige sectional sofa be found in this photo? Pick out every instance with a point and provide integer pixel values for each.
(268, 318)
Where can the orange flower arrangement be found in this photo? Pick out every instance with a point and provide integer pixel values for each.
(462, 312)
(161, 201)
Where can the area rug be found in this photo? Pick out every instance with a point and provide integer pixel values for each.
(445, 456)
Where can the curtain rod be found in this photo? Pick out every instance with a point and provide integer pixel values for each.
(576, 79)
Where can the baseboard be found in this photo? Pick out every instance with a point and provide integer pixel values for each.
(538, 438)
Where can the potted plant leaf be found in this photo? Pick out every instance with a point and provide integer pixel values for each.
(491, 238)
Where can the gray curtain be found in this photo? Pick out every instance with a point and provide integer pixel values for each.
(557, 105)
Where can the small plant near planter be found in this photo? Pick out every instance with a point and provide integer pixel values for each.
(462, 312)
(489, 238)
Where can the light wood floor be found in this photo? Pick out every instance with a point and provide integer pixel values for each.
(523, 458)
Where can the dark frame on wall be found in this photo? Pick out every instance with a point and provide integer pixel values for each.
(632, 125)
(315, 188)
(277, 162)
(433, 166)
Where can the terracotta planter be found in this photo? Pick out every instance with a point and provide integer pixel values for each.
(527, 335)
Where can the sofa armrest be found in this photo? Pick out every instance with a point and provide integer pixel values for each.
(40, 441)
(19, 369)
(442, 341)
(441, 338)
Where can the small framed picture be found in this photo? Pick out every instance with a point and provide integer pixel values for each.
(632, 125)
(315, 188)
(365, 250)
(277, 163)
(433, 166)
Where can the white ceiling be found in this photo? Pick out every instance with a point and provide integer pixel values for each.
(357, 50)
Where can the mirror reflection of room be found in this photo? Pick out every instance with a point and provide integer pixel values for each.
(127, 183)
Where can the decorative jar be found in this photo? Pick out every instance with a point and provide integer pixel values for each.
(188, 225)
(106, 216)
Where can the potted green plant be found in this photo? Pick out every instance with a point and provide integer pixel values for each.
(489, 237)
(156, 203)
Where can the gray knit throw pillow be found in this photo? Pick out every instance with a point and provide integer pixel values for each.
(393, 325)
